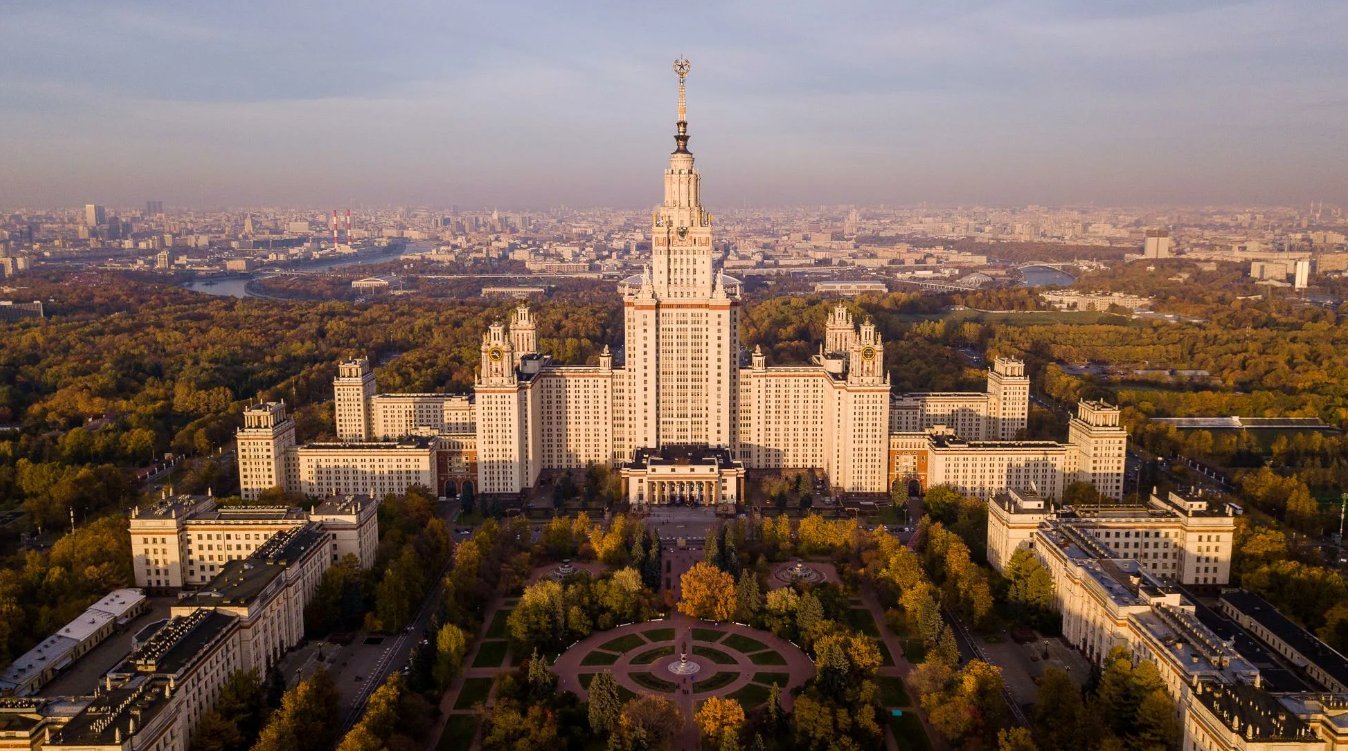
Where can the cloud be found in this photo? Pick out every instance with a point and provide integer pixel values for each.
(533, 103)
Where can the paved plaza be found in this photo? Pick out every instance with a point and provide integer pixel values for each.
(729, 660)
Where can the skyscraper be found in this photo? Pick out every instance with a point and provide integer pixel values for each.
(1157, 244)
(94, 215)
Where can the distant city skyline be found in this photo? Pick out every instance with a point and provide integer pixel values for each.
(533, 105)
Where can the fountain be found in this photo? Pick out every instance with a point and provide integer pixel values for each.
(682, 666)
(564, 570)
(799, 572)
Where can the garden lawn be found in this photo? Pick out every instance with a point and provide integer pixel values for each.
(474, 691)
(892, 692)
(596, 657)
(751, 695)
(709, 635)
(459, 732)
(498, 625)
(715, 655)
(908, 732)
(490, 654)
(744, 643)
(767, 658)
(623, 643)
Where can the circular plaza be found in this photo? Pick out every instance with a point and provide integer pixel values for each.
(686, 659)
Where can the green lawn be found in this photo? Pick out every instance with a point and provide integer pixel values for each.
(659, 635)
(623, 643)
(651, 655)
(909, 733)
(459, 732)
(861, 620)
(497, 630)
(716, 681)
(892, 692)
(751, 695)
(767, 658)
(709, 635)
(474, 691)
(597, 657)
(766, 678)
(654, 683)
(716, 655)
(886, 658)
(490, 654)
(744, 643)
(914, 650)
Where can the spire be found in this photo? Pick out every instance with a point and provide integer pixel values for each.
(681, 68)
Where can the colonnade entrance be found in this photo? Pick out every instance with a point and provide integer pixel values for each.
(687, 492)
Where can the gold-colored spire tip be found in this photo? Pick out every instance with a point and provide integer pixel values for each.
(681, 68)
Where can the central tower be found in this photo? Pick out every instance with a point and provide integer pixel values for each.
(682, 317)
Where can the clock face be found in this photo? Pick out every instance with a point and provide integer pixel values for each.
(495, 354)
(868, 353)
(683, 232)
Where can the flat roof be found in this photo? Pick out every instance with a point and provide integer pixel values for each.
(682, 454)
(54, 648)
(409, 442)
(1309, 645)
(106, 720)
(249, 513)
(177, 642)
(241, 581)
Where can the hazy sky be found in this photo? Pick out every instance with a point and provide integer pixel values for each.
(568, 102)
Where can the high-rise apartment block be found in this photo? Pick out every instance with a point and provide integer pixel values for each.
(1156, 244)
(94, 215)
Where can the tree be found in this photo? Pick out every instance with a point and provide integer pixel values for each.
(604, 703)
(451, 645)
(1059, 713)
(308, 720)
(216, 733)
(1030, 595)
(650, 721)
(1015, 739)
(542, 681)
(748, 597)
(716, 716)
(809, 613)
(509, 728)
(708, 593)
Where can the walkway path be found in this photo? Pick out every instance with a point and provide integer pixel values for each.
(901, 669)
(477, 668)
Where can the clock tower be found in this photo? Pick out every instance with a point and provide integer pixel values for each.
(498, 357)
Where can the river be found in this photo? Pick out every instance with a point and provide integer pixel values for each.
(1043, 276)
(238, 286)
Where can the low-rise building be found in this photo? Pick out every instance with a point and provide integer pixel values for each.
(1321, 662)
(33, 669)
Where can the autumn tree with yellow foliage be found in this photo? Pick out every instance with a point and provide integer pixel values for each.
(708, 593)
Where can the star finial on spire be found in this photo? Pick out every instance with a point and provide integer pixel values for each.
(681, 68)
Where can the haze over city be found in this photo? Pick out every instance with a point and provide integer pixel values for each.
(532, 105)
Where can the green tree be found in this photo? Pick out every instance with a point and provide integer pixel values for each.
(1030, 595)
(308, 720)
(748, 597)
(604, 703)
(451, 645)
